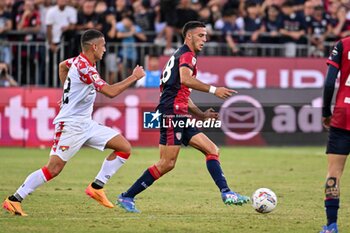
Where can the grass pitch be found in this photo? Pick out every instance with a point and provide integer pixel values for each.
(185, 200)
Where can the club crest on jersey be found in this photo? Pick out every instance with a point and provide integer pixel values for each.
(194, 61)
(63, 148)
(178, 136)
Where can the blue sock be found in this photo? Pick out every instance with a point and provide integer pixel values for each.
(146, 180)
(332, 206)
(216, 173)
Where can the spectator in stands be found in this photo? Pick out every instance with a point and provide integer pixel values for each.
(145, 17)
(108, 28)
(309, 7)
(252, 21)
(9, 5)
(42, 6)
(76, 4)
(184, 13)
(129, 33)
(337, 19)
(15, 8)
(318, 31)
(271, 25)
(293, 28)
(122, 9)
(230, 29)
(60, 20)
(29, 23)
(169, 16)
(205, 16)
(6, 79)
(5, 25)
(153, 73)
(87, 18)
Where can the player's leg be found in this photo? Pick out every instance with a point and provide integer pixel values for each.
(201, 142)
(336, 165)
(31, 183)
(103, 137)
(169, 145)
(65, 146)
(168, 157)
(338, 148)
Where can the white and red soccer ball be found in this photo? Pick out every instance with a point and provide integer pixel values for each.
(264, 200)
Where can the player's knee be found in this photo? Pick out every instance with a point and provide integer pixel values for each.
(171, 165)
(331, 188)
(127, 148)
(214, 150)
(166, 165)
(51, 171)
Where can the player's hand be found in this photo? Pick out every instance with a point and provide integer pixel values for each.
(224, 93)
(210, 114)
(138, 72)
(326, 122)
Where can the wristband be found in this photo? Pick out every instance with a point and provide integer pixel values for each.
(212, 89)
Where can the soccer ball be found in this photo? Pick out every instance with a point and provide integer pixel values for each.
(264, 200)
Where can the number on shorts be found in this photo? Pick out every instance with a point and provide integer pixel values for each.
(167, 71)
(66, 89)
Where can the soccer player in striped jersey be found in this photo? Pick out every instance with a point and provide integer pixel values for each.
(177, 80)
(338, 124)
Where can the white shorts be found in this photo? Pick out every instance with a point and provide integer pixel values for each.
(71, 136)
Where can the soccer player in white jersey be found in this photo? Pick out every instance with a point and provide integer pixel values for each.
(74, 126)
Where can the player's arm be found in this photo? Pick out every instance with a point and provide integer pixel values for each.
(194, 110)
(117, 88)
(190, 82)
(328, 92)
(329, 85)
(63, 71)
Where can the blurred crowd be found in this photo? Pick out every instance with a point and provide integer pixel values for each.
(159, 22)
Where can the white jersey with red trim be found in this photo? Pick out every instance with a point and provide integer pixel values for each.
(79, 91)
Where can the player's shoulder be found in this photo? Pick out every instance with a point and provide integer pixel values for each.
(184, 52)
(345, 41)
(82, 63)
(184, 49)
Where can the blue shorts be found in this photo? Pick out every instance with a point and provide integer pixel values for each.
(176, 134)
(338, 141)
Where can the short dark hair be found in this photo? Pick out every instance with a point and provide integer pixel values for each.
(191, 25)
(89, 35)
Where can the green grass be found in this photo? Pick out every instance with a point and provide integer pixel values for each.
(185, 200)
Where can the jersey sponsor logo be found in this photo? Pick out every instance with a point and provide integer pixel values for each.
(348, 55)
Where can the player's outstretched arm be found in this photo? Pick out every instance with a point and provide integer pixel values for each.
(187, 80)
(117, 88)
